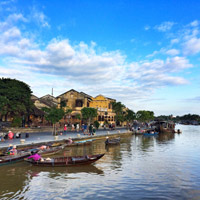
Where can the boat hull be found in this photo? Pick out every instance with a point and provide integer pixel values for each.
(67, 161)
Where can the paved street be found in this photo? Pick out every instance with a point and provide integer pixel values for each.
(47, 136)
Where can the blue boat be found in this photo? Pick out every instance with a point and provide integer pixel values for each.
(151, 134)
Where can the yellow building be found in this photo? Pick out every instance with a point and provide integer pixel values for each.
(104, 107)
(75, 101)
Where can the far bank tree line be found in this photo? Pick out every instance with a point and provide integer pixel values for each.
(15, 101)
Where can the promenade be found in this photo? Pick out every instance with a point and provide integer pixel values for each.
(38, 137)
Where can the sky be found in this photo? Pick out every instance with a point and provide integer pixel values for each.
(145, 54)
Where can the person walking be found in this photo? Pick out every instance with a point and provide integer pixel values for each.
(90, 129)
(65, 128)
(77, 127)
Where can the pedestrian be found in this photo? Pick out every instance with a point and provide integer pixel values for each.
(18, 135)
(85, 129)
(10, 135)
(72, 127)
(82, 128)
(27, 135)
(77, 127)
(90, 129)
(93, 131)
(65, 128)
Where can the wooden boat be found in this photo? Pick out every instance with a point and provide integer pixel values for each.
(14, 158)
(66, 161)
(150, 134)
(80, 143)
(112, 141)
(49, 150)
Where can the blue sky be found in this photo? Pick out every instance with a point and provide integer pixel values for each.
(142, 53)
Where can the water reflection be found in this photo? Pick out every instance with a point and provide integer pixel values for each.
(163, 167)
(165, 137)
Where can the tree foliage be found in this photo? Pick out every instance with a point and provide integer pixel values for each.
(96, 124)
(130, 115)
(144, 116)
(53, 115)
(118, 108)
(88, 114)
(15, 98)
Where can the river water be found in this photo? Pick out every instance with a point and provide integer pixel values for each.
(163, 167)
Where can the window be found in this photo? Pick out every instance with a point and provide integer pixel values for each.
(79, 103)
(99, 118)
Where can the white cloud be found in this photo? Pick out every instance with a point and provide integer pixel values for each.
(165, 26)
(63, 65)
(172, 52)
(40, 18)
(174, 41)
(146, 28)
(191, 46)
(194, 23)
(158, 73)
(176, 64)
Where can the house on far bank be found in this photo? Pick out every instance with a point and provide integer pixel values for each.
(75, 101)
(104, 109)
(36, 117)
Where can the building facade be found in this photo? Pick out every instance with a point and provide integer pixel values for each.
(75, 101)
(104, 109)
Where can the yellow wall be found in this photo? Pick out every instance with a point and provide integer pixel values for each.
(104, 107)
(101, 103)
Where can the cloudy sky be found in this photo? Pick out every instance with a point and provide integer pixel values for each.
(145, 54)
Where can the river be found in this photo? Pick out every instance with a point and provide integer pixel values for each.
(162, 167)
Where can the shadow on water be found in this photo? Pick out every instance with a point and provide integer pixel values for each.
(165, 137)
(15, 177)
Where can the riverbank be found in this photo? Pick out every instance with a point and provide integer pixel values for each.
(46, 137)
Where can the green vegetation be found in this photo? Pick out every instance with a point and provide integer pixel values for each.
(96, 124)
(187, 117)
(17, 122)
(144, 115)
(15, 98)
(88, 114)
(130, 115)
(118, 108)
(53, 115)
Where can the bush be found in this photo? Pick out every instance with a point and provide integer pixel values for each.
(96, 124)
(17, 122)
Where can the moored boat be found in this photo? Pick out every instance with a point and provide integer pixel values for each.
(80, 143)
(112, 141)
(66, 161)
(150, 134)
(14, 158)
(49, 150)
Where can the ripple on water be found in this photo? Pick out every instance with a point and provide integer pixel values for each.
(165, 167)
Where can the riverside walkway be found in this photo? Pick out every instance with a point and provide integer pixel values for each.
(39, 137)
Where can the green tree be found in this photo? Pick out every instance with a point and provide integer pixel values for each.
(96, 124)
(53, 115)
(144, 116)
(78, 116)
(88, 114)
(118, 108)
(15, 98)
(130, 116)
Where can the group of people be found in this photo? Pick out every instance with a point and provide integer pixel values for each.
(84, 127)
(10, 135)
(74, 127)
(12, 150)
